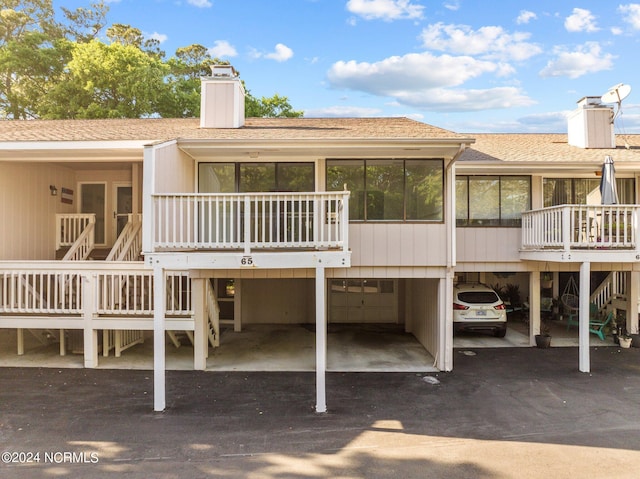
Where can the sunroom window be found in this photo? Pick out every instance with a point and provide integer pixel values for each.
(492, 200)
(583, 191)
(390, 189)
(255, 177)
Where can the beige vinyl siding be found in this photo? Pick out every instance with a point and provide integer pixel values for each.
(396, 244)
(27, 209)
(424, 312)
(174, 170)
(488, 244)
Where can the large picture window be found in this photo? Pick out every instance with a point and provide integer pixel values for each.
(390, 189)
(255, 177)
(492, 200)
(582, 191)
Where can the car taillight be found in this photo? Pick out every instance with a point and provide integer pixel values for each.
(459, 307)
(500, 306)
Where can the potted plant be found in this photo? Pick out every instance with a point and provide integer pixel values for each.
(625, 341)
(546, 281)
(543, 340)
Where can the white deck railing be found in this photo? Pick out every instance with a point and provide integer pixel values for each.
(48, 288)
(69, 227)
(250, 221)
(570, 227)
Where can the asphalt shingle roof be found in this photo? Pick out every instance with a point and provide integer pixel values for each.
(254, 129)
(539, 148)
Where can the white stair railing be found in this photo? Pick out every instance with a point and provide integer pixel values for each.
(81, 249)
(69, 227)
(129, 243)
(613, 286)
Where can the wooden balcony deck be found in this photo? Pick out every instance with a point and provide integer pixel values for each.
(599, 233)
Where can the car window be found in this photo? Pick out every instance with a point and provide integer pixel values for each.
(478, 297)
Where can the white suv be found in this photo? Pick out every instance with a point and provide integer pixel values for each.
(477, 307)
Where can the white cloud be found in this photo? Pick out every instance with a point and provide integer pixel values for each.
(489, 41)
(161, 37)
(200, 3)
(222, 48)
(631, 14)
(525, 17)
(426, 81)
(587, 58)
(453, 5)
(281, 53)
(385, 9)
(342, 112)
(458, 100)
(581, 20)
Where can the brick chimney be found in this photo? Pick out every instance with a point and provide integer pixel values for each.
(590, 125)
(222, 99)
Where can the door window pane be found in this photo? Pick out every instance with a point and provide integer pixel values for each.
(93, 201)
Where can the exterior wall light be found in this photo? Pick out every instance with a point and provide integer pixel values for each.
(53, 190)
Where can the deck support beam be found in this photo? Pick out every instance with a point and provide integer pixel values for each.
(583, 328)
(159, 295)
(321, 340)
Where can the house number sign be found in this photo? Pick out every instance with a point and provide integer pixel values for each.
(246, 261)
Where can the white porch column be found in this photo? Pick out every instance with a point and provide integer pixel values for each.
(90, 338)
(200, 349)
(237, 305)
(321, 340)
(534, 306)
(633, 294)
(159, 307)
(583, 328)
(445, 338)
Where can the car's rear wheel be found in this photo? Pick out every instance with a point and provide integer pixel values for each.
(500, 333)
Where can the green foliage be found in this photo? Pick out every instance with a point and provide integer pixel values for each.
(270, 107)
(52, 69)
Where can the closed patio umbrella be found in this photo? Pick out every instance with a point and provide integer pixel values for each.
(608, 190)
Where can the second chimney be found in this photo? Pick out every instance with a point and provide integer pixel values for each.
(222, 99)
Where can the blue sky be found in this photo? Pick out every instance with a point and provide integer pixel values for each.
(465, 65)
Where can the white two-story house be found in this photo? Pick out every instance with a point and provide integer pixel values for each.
(117, 229)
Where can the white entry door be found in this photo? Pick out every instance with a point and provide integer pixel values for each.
(123, 207)
(93, 200)
(363, 301)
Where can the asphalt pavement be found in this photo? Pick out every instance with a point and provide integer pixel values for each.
(502, 413)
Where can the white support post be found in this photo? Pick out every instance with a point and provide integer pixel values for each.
(237, 305)
(633, 292)
(445, 338)
(534, 306)
(200, 336)
(159, 300)
(20, 333)
(90, 335)
(63, 343)
(321, 340)
(583, 328)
